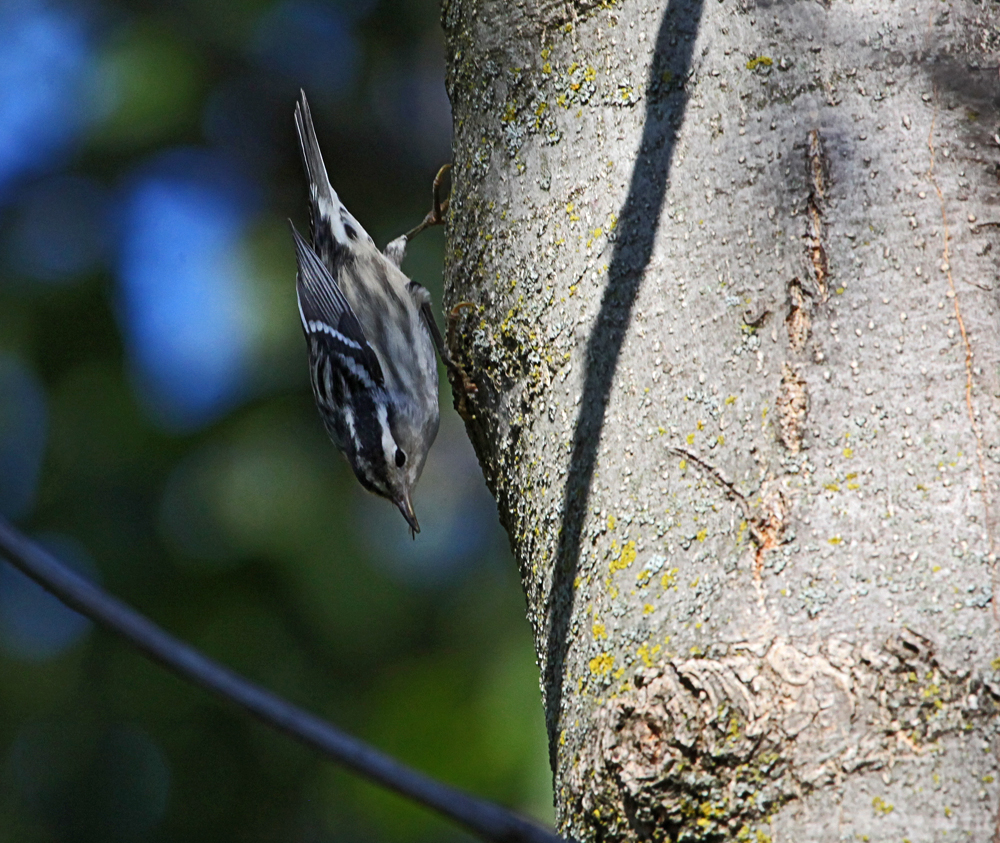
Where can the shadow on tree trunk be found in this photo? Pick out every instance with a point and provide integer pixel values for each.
(666, 101)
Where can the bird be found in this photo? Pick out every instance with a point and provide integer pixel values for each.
(371, 337)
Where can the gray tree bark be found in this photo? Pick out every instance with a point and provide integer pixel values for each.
(736, 347)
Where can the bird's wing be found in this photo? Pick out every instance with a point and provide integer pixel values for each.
(327, 315)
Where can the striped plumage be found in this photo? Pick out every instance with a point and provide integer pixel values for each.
(371, 354)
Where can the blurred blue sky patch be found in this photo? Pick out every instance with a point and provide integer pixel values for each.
(46, 85)
(23, 426)
(34, 625)
(184, 302)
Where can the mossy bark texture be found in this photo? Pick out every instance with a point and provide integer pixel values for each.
(735, 337)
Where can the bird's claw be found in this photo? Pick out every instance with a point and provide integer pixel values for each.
(466, 388)
(435, 216)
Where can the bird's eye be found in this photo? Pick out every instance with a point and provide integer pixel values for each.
(400, 458)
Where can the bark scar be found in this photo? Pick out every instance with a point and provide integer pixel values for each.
(793, 407)
(765, 521)
(768, 529)
(814, 208)
(798, 322)
(731, 491)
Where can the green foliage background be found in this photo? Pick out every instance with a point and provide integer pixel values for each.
(249, 537)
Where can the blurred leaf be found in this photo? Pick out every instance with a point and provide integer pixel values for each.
(98, 433)
(153, 83)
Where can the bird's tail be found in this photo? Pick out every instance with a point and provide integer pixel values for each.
(329, 216)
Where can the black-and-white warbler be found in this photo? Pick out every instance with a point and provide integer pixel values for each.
(371, 337)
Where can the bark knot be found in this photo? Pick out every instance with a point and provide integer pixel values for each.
(705, 748)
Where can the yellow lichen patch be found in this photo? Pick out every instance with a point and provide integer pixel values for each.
(848, 453)
(759, 61)
(601, 665)
(702, 534)
(599, 630)
(700, 425)
(690, 439)
(648, 609)
(931, 690)
(611, 522)
(669, 579)
(881, 806)
(562, 738)
(731, 399)
(643, 577)
(835, 540)
(625, 558)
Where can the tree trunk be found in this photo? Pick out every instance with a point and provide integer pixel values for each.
(737, 362)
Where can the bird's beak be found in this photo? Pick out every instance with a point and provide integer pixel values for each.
(406, 507)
